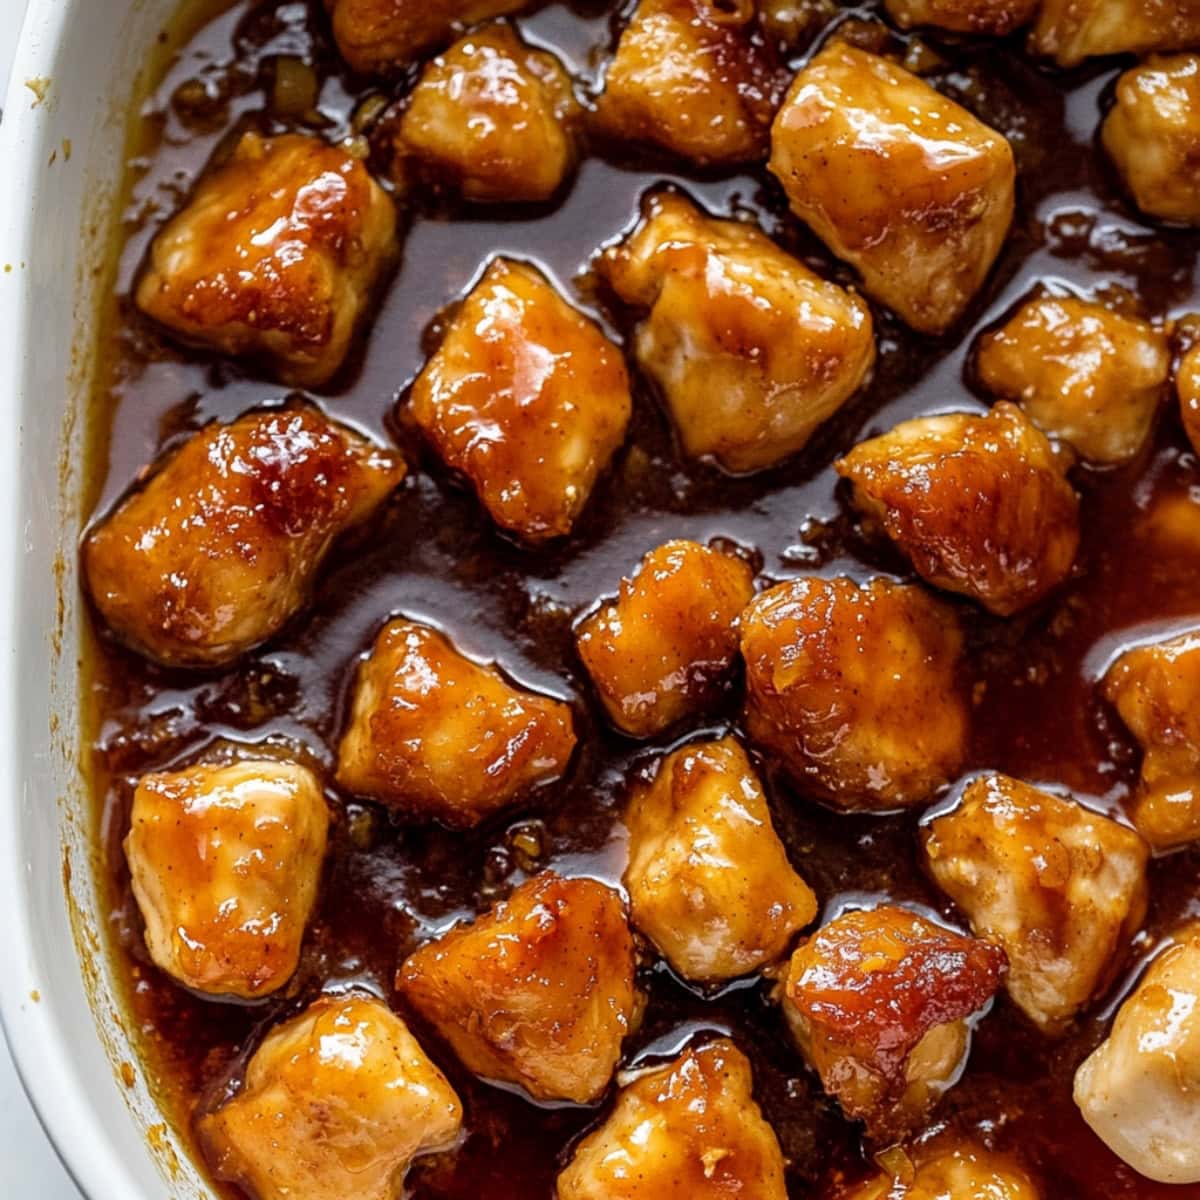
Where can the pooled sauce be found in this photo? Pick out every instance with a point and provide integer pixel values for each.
(433, 556)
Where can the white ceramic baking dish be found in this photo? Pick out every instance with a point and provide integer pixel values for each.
(61, 150)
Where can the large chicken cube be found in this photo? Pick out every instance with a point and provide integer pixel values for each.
(690, 1130)
(980, 504)
(437, 736)
(709, 881)
(1140, 1090)
(1081, 373)
(224, 864)
(878, 1003)
(1071, 30)
(834, 674)
(220, 547)
(663, 648)
(1187, 378)
(695, 78)
(527, 398)
(1061, 888)
(1152, 133)
(383, 35)
(946, 1168)
(537, 992)
(336, 1103)
(898, 180)
(493, 118)
(995, 17)
(750, 349)
(275, 256)
(1156, 690)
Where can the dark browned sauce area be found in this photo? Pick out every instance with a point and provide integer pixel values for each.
(434, 556)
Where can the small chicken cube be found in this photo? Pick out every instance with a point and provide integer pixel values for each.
(383, 35)
(1061, 888)
(997, 18)
(980, 504)
(750, 349)
(834, 674)
(527, 398)
(1071, 30)
(220, 547)
(709, 881)
(946, 1168)
(878, 1003)
(1187, 378)
(537, 992)
(663, 648)
(1081, 373)
(695, 78)
(1152, 133)
(1156, 690)
(494, 118)
(224, 863)
(898, 180)
(1140, 1090)
(336, 1102)
(439, 737)
(276, 256)
(690, 1130)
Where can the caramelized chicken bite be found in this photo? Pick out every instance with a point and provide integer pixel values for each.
(834, 674)
(1071, 30)
(1187, 378)
(946, 1168)
(878, 1003)
(660, 651)
(695, 78)
(709, 881)
(751, 350)
(1081, 373)
(437, 736)
(898, 180)
(1156, 690)
(527, 398)
(493, 117)
(995, 17)
(537, 992)
(688, 1131)
(220, 547)
(224, 863)
(1140, 1090)
(336, 1102)
(1061, 888)
(980, 504)
(275, 256)
(1152, 133)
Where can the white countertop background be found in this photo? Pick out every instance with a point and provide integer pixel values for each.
(29, 1168)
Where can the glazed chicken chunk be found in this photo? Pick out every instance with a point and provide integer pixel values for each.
(1152, 133)
(901, 182)
(437, 736)
(538, 992)
(709, 881)
(224, 862)
(493, 118)
(878, 1003)
(1140, 1090)
(336, 1102)
(1156, 690)
(1061, 888)
(661, 651)
(690, 1130)
(527, 398)
(1187, 377)
(750, 350)
(979, 504)
(995, 17)
(382, 35)
(834, 674)
(1081, 373)
(945, 1168)
(1071, 30)
(276, 256)
(694, 78)
(221, 545)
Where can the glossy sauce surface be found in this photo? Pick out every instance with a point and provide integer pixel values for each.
(432, 556)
